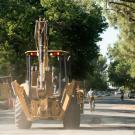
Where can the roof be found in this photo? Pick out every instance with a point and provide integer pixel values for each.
(49, 51)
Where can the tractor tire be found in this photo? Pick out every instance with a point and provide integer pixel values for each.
(72, 116)
(21, 121)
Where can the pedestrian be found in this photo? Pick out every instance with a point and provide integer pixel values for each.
(55, 84)
(91, 99)
(80, 98)
(122, 96)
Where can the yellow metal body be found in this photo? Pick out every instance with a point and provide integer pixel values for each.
(38, 101)
(48, 108)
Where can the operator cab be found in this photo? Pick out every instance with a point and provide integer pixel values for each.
(57, 74)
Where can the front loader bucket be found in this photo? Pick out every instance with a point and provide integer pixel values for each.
(21, 94)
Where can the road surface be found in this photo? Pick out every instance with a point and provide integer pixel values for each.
(111, 117)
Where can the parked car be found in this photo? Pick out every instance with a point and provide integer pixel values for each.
(131, 94)
(117, 93)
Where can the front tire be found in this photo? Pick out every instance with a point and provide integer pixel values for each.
(72, 117)
(20, 118)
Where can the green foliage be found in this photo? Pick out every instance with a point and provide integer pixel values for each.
(78, 26)
(17, 20)
(73, 26)
(122, 68)
(98, 80)
(118, 73)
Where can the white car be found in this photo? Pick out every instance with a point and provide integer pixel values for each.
(131, 94)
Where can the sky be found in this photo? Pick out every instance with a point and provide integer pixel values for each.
(109, 37)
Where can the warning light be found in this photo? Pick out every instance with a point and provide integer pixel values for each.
(58, 53)
(33, 53)
(55, 54)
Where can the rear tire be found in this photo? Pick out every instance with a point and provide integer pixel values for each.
(72, 117)
(20, 118)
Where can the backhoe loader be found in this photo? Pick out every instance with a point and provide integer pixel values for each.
(47, 93)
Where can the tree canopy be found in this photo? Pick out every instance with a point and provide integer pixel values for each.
(73, 26)
(122, 67)
(98, 80)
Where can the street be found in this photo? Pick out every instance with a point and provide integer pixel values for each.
(112, 116)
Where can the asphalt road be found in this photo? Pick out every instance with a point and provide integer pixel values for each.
(112, 116)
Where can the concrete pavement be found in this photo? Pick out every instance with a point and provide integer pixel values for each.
(111, 117)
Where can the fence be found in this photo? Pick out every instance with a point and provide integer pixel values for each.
(6, 93)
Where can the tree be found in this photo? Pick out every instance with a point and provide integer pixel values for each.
(73, 26)
(122, 67)
(119, 69)
(119, 75)
(76, 27)
(98, 80)
(17, 20)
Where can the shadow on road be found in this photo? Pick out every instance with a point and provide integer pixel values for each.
(6, 117)
(102, 128)
(113, 110)
(95, 128)
(104, 119)
(115, 100)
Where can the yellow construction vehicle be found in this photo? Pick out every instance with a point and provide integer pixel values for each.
(47, 92)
